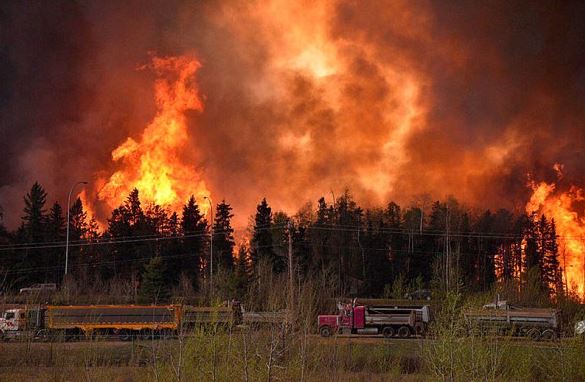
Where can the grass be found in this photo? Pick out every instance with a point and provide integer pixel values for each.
(272, 354)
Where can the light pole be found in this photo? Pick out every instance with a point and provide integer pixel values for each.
(210, 245)
(68, 224)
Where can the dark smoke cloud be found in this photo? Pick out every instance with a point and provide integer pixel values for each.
(502, 86)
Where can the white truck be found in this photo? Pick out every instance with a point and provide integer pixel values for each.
(22, 323)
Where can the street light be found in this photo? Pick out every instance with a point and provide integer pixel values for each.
(210, 245)
(68, 224)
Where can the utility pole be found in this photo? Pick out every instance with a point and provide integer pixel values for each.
(210, 246)
(361, 250)
(447, 249)
(68, 224)
(338, 245)
(290, 273)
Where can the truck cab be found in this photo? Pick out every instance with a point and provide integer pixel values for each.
(390, 321)
(12, 320)
(334, 323)
(21, 322)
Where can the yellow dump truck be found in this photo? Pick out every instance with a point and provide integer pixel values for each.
(123, 321)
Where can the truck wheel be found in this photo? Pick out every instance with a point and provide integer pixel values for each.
(325, 331)
(388, 332)
(43, 335)
(403, 332)
(419, 329)
(125, 335)
(548, 335)
(533, 334)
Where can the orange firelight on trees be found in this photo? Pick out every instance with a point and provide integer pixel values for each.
(154, 164)
(570, 226)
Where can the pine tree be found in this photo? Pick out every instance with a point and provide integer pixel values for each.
(532, 256)
(378, 251)
(223, 238)
(34, 214)
(504, 258)
(242, 271)
(552, 269)
(79, 258)
(171, 250)
(56, 224)
(485, 249)
(321, 236)
(395, 238)
(261, 244)
(349, 251)
(78, 225)
(194, 230)
(417, 260)
(154, 288)
(301, 245)
(55, 231)
(34, 231)
(128, 221)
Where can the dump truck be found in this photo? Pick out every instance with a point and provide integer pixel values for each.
(390, 321)
(123, 321)
(195, 316)
(504, 319)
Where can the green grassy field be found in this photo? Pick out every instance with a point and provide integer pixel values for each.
(272, 355)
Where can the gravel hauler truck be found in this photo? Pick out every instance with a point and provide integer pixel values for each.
(503, 319)
(122, 321)
(390, 321)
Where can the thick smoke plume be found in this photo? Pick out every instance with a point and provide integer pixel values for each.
(391, 99)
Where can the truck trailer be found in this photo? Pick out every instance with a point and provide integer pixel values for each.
(53, 322)
(390, 321)
(124, 321)
(503, 319)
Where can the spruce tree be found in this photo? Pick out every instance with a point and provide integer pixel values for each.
(223, 238)
(320, 237)
(261, 243)
(552, 269)
(194, 230)
(153, 287)
(394, 239)
(55, 231)
(128, 221)
(34, 214)
(34, 231)
(532, 256)
(78, 231)
(242, 272)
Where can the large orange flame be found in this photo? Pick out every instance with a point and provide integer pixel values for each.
(570, 226)
(154, 164)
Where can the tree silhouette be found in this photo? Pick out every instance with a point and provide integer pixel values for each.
(261, 243)
(33, 231)
(153, 287)
(55, 233)
(223, 237)
(194, 230)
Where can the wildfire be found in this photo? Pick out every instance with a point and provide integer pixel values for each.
(570, 227)
(154, 164)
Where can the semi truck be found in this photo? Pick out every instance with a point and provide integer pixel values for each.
(503, 319)
(124, 321)
(390, 321)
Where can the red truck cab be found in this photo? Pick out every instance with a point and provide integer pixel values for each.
(390, 321)
(349, 318)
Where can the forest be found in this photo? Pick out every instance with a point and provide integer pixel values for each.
(378, 252)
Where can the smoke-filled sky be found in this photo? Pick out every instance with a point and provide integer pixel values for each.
(389, 98)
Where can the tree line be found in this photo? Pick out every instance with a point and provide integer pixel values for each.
(367, 252)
